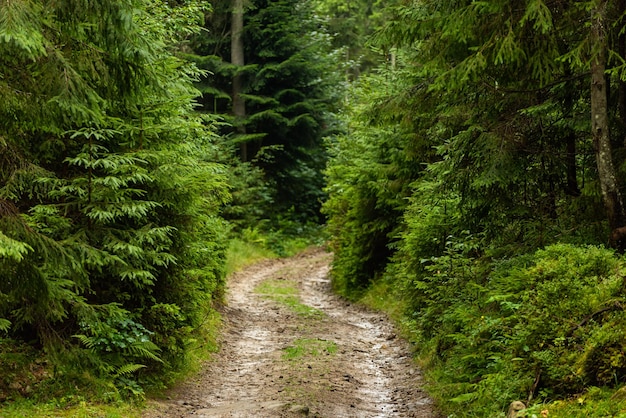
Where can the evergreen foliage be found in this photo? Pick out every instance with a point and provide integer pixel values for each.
(289, 83)
(350, 24)
(473, 180)
(109, 195)
(369, 179)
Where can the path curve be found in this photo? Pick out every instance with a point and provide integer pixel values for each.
(311, 354)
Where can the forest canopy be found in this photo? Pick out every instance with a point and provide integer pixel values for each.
(467, 157)
(121, 187)
(480, 178)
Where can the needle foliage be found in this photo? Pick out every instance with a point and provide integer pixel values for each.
(290, 87)
(110, 245)
(476, 182)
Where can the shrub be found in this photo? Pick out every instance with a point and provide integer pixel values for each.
(543, 326)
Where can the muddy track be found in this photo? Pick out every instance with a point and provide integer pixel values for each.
(290, 349)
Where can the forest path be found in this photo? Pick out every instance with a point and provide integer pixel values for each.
(290, 348)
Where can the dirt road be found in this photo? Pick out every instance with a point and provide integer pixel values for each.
(292, 349)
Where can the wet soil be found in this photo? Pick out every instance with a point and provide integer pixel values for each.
(307, 353)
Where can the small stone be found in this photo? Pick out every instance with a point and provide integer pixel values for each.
(300, 409)
(515, 408)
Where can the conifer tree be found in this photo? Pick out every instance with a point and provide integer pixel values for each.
(286, 86)
(516, 74)
(238, 60)
(108, 198)
(501, 137)
(503, 93)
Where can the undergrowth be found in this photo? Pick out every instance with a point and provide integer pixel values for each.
(546, 328)
(51, 384)
(242, 252)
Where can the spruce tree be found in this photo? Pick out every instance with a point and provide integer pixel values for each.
(109, 198)
(520, 76)
(286, 83)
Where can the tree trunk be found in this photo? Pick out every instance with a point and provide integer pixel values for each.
(600, 125)
(237, 58)
(571, 187)
(570, 166)
(621, 49)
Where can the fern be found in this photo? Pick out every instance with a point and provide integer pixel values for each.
(127, 369)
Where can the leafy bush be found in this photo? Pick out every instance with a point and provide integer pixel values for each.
(120, 345)
(543, 326)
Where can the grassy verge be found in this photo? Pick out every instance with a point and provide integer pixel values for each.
(381, 296)
(27, 408)
(242, 253)
(252, 245)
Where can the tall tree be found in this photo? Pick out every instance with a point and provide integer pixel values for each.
(286, 83)
(108, 228)
(600, 127)
(525, 59)
(238, 60)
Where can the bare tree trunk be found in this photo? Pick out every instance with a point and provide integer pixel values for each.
(571, 169)
(570, 166)
(621, 49)
(237, 58)
(600, 125)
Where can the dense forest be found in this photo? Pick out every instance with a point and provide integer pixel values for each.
(465, 158)
(480, 179)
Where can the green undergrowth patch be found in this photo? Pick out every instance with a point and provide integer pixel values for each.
(286, 293)
(595, 402)
(288, 238)
(382, 296)
(200, 349)
(253, 244)
(60, 409)
(309, 347)
(244, 252)
(34, 384)
(487, 332)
